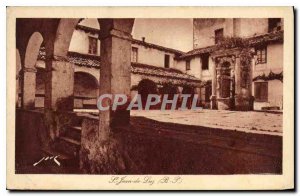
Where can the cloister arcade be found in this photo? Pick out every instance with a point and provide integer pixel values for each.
(56, 35)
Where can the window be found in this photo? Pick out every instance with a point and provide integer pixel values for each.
(261, 91)
(219, 35)
(261, 55)
(204, 61)
(188, 65)
(93, 45)
(167, 61)
(274, 24)
(134, 54)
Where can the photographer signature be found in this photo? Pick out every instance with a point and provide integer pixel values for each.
(54, 158)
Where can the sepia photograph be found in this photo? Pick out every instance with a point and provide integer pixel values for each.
(151, 101)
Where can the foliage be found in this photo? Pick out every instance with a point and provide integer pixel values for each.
(270, 76)
(246, 51)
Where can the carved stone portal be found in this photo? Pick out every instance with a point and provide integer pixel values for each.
(233, 82)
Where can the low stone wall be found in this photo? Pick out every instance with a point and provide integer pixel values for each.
(31, 135)
(36, 130)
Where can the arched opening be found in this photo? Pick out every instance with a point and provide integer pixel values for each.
(170, 90)
(85, 91)
(146, 87)
(40, 87)
(28, 84)
(32, 49)
(189, 91)
(85, 40)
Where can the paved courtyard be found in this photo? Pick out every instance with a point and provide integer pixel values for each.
(253, 121)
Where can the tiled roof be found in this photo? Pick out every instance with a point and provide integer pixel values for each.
(151, 70)
(137, 68)
(77, 58)
(197, 51)
(171, 50)
(87, 29)
(253, 41)
(84, 59)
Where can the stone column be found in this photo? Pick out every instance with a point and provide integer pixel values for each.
(237, 76)
(213, 97)
(238, 97)
(28, 87)
(251, 102)
(59, 87)
(251, 77)
(115, 76)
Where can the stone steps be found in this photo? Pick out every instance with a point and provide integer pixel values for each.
(73, 132)
(69, 140)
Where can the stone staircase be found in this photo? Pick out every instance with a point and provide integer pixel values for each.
(67, 145)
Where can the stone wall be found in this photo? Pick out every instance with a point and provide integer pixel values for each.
(30, 135)
(37, 130)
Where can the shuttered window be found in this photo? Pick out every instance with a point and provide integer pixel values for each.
(261, 91)
(93, 45)
(187, 65)
(134, 55)
(167, 61)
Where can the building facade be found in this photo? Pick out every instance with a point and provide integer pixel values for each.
(264, 40)
(213, 70)
(152, 70)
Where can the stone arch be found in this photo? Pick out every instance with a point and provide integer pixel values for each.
(86, 90)
(32, 50)
(190, 91)
(63, 36)
(146, 87)
(170, 90)
(28, 82)
(40, 87)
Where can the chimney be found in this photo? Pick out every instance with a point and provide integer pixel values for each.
(143, 39)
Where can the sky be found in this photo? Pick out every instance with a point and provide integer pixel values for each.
(171, 33)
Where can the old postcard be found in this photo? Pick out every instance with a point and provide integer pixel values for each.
(144, 98)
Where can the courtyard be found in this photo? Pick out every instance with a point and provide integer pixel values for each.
(259, 122)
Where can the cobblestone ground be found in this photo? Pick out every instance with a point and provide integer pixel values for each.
(253, 121)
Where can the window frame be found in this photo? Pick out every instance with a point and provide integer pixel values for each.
(167, 61)
(273, 24)
(136, 51)
(188, 65)
(219, 38)
(258, 95)
(206, 55)
(260, 59)
(90, 51)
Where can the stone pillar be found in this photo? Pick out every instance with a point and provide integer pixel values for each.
(251, 94)
(213, 97)
(251, 77)
(115, 76)
(59, 87)
(28, 87)
(237, 73)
